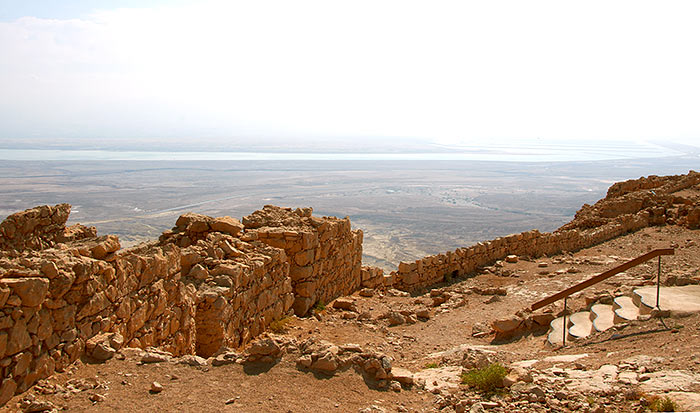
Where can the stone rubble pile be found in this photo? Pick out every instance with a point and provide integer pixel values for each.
(562, 383)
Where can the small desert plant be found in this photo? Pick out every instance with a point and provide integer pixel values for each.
(320, 306)
(590, 400)
(663, 405)
(487, 379)
(431, 365)
(280, 326)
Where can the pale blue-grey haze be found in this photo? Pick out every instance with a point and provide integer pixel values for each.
(121, 74)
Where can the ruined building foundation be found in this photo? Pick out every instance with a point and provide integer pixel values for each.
(215, 283)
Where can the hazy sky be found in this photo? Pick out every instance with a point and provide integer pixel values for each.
(448, 71)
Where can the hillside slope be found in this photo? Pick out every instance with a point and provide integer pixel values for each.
(366, 351)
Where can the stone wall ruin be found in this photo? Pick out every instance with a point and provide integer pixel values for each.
(324, 254)
(212, 283)
(628, 206)
(207, 284)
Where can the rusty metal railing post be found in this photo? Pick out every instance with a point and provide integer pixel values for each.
(604, 276)
(563, 326)
(658, 285)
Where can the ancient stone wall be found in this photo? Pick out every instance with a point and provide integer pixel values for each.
(199, 289)
(241, 288)
(372, 277)
(39, 228)
(57, 299)
(437, 268)
(629, 206)
(632, 196)
(324, 254)
(660, 184)
(211, 283)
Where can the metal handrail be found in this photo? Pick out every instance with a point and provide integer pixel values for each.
(602, 277)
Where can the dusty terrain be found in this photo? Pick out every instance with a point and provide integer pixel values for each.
(406, 209)
(444, 339)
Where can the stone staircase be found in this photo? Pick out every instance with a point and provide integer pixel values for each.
(601, 317)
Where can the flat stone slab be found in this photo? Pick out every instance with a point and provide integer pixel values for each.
(678, 300)
(601, 381)
(671, 380)
(525, 363)
(556, 331)
(602, 315)
(565, 358)
(582, 325)
(625, 308)
(439, 378)
(457, 353)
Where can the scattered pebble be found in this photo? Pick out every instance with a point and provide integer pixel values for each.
(156, 387)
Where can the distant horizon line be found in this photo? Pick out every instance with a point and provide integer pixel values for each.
(538, 154)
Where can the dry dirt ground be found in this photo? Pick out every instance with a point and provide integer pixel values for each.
(123, 383)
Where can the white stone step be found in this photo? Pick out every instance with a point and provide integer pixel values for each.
(643, 308)
(678, 300)
(602, 316)
(625, 310)
(581, 325)
(556, 331)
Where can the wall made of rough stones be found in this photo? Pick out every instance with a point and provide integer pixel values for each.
(211, 283)
(241, 287)
(372, 277)
(206, 285)
(437, 268)
(55, 300)
(324, 254)
(41, 227)
(661, 184)
(629, 197)
(628, 207)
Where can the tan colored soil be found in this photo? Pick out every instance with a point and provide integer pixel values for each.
(282, 387)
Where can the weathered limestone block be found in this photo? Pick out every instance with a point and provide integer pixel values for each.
(507, 325)
(227, 225)
(97, 303)
(105, 245)
(7, 390)
(31, 291)
(18, 338)
(192, 219)
(345, 303)
(104, 346)
(301, 273)
(304, 258)
(306, 289)
(199, 272)
(40, 228)
(410, 278)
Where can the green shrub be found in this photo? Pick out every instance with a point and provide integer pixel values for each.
(431, 365)
(320, 306)
(486, 379)
(280, 326)
(663, 405)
